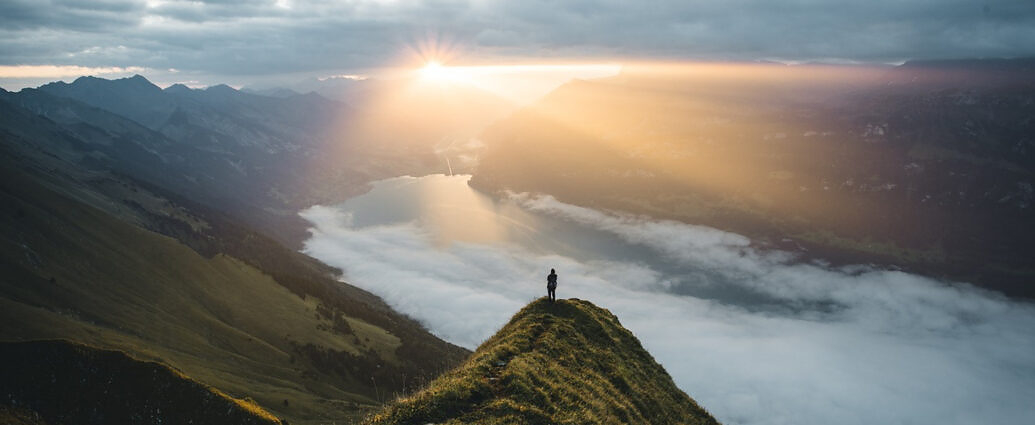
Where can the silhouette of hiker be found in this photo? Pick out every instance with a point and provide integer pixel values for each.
(551, 285)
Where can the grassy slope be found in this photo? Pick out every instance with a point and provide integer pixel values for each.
(568, 362)
(91, 386)
(75, 272)
(19, 416)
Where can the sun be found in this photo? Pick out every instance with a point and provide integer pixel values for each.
(434, 71)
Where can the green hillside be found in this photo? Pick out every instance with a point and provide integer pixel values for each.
(19, 416)
(568, 362)
(85, 385)
(77, 263)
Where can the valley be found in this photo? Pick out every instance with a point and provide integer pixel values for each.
(925, 167)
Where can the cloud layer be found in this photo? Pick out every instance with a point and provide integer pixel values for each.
(239, 39)
(852, 345)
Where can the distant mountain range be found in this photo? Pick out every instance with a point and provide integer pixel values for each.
(263, 158)
(926, 166)
(260, 158)
(348, 89)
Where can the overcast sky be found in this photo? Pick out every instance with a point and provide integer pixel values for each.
(242, 40)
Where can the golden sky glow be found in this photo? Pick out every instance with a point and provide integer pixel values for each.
(517, 83)
(58, 71)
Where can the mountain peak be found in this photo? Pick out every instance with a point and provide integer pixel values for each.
(137, 81)
(560, 362)
(220, 88)
(177, 88)
(134, 97)
(85, 79)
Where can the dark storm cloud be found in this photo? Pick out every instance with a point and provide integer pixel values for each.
(230, 37)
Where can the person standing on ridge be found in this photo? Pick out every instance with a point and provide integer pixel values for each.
(551, 285)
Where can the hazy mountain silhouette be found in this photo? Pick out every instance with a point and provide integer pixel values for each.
(259, 158)
(262, 158)
(926, 166)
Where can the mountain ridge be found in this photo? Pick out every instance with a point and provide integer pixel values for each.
(89, 385)
(258, 158)
(563, 362)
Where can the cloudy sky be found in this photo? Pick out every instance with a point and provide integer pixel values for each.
(239, 41)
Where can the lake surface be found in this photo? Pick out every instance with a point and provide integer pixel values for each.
(755, 336)
(448, 211)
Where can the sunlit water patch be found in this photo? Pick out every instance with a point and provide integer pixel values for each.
(753, 336)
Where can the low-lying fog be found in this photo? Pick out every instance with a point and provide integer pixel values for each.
(753, 336)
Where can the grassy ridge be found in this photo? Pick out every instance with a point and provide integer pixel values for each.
(567, 362)
(73, 272)
(85, 385)
(19, 416)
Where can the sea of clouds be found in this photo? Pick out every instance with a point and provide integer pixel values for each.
(850, 345)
